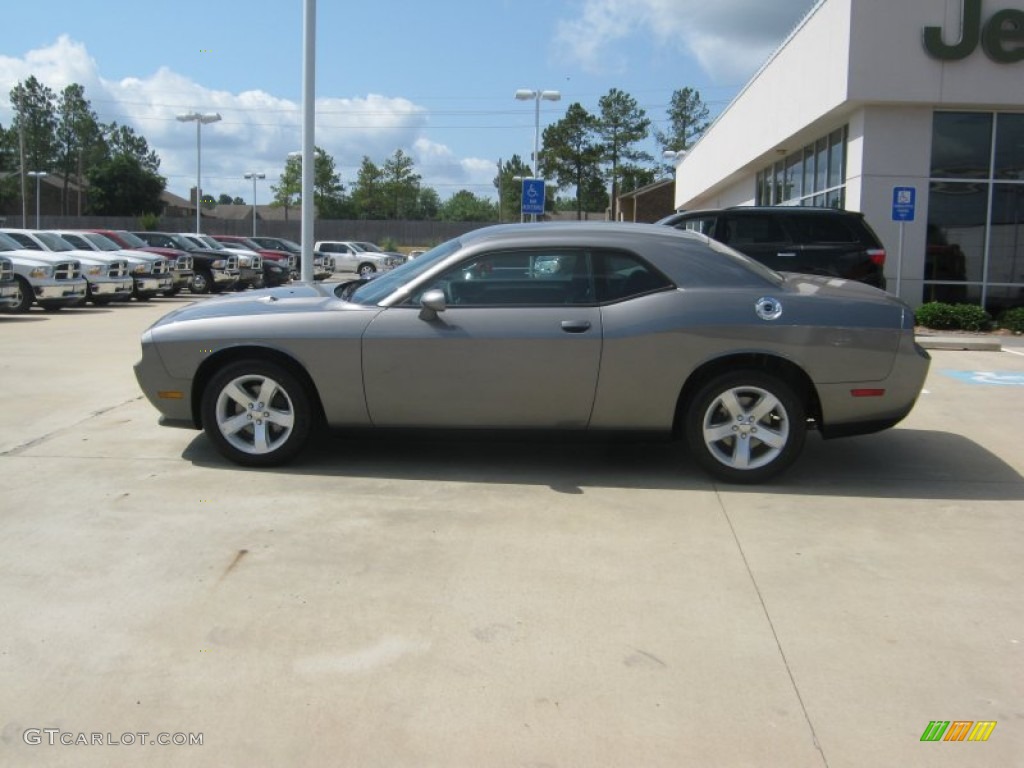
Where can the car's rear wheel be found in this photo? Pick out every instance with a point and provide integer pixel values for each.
(365, 270)
(24, 297)
(257, 413)
(745, 427)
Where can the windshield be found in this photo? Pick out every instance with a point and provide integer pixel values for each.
(8, 244)
(184, 243)
(376, 290)
(53, 242)
(133, 241)
(211, 243)
(101, 242)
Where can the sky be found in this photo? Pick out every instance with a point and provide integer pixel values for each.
(436, 80)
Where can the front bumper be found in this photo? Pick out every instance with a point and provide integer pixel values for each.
(153, 284)
(171, 396)
(9, 293)
(111, 287)
(225, 276)
(57, 290)
(181, 278)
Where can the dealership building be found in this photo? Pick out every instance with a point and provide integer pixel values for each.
(911, 112)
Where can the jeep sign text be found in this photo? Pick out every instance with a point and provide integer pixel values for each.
(1002, 36)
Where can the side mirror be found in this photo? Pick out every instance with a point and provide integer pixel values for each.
(432, 302)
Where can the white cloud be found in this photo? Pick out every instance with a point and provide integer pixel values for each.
(256, 133)
(729, 38)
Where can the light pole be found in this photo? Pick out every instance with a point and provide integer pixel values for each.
(525, 94)
(199, 118)
(38, 175)
(254, 176)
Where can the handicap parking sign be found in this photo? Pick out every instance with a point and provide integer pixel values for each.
(904, 201)
(533, 196)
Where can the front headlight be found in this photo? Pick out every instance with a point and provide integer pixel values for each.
(94, 271)
(41, 272)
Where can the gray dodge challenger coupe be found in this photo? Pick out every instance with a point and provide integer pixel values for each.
(577, 326)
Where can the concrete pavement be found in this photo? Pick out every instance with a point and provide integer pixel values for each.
(435, 602)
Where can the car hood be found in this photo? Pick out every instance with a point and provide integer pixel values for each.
(287, 298)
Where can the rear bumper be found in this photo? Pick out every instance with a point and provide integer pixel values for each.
(846, 411)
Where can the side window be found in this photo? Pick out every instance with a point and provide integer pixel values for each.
(528, 278)
(619, 275)
(740, 230)
(705, 225)
(25, 242)
(821, 229)
(77, 242)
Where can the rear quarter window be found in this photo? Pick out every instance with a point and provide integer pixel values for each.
(822, 229)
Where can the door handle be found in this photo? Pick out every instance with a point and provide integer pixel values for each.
(575, 326)
(786, 255)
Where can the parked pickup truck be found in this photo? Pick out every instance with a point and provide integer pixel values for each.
(9, 293)
(181, 262)
(107, 278)
(278, 266)
(48, 279)
(214, 271)
(151, 274)
(323, 266)
(250, 263)
(350, 256)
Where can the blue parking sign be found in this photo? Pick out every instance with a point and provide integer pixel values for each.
(533, 196)
(904, 201)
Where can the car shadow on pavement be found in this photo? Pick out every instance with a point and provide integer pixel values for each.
(900, 463)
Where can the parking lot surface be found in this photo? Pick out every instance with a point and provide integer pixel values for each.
(497, 602)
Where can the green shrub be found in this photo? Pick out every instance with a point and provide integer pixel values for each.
(950, 317)
(1013, 320)
(149, 222)
(388, 244)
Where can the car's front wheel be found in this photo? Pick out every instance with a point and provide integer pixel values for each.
(24, 296)
(257, 413)
(202, 281)
(366, 270)
(745, 427)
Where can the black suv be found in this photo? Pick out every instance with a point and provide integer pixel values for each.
(817, 241)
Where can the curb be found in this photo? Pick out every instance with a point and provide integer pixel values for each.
(958, 343)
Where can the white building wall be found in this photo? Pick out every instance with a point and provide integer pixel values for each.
(805, 80)
(859, 63)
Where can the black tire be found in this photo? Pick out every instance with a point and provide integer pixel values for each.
(172, 292)
(25, 296)
(726, 422)
(281, 437)
(202, 281)
(365, 270)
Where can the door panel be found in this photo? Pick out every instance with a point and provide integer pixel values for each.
(483, 367)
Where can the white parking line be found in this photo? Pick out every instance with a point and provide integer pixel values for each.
(1013, 352)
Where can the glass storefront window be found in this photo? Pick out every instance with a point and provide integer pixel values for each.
(794, 176)
(821, 163)
(961, 145)
(836, 152)
(957, 214)
(1006, 251)
(1010, 147)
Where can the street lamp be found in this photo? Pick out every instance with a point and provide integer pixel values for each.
(525, 94)
(199, 118)
(38, 175)
(254, 176)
